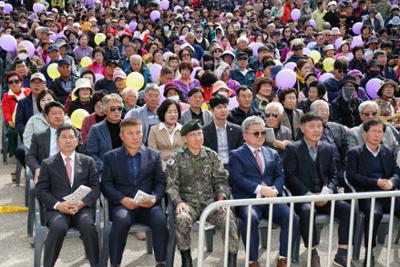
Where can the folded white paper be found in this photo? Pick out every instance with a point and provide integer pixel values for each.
(270, 135)
(141, 196)
(78, 194)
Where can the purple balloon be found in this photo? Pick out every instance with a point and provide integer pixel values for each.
(357, 42)
(295, 14)
(53, 37)
(254, 47)
(313, 23)
(38, 7)
(60, 35)
(325, 77)
(285, 79)
(306, 51)
(290, 66)
(164, 4)
(155, 70)
(176, 8)
(338, 42)
(357, 28)
(195, 70)
(132, 26)
(311, 45)
(8, 43)
(8, 8)
(29, 46)
(232, 103)
(155, 15)
(372, 88)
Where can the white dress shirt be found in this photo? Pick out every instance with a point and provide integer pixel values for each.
(53, 142)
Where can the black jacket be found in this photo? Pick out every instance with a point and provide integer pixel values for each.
(233, 132)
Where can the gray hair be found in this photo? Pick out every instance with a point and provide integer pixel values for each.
(317, 103)
(111, 97)
(250, 121)
(135, 57)
(365, 104)
(151, 87)
(127, 91)
(189, 34)
(277, 106)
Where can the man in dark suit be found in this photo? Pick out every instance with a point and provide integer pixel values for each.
(44, 144)
(309, 166)
(220, 135)
(256, 171)
(372, 167)
(128, 169)
(61, 175)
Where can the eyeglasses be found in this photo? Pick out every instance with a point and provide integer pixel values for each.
(273, 114)
(369, 114)
(217, 51)
(14, 82)
(114, 109)
(243, 58)
(258, 133)
(199, 31)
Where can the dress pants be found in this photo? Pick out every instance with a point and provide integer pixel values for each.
(342, 212)
(382, 205)
(59, 223)
(123, 219)
(280, 216)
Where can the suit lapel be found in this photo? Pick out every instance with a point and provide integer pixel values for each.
(105, 133)
(77, 169)
(47, 140)
(252, 158)
(63, 171)
(229, 133)
(384, 160)
(214, 137)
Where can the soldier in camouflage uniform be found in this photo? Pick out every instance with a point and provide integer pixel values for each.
(195, 178)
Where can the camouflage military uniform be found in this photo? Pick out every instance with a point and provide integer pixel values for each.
(197, 181)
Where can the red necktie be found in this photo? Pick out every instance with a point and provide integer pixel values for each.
(259, 160)
(68, 167)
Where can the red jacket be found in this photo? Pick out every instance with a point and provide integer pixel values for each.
(10, 101)
(286, 16)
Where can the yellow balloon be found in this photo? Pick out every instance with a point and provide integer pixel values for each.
(315, 55)
(86, 26)
(85, 61)
(78, 116)
(205, 106)
(328, 64)
(135, 80)
(52, 71)
(99, 38)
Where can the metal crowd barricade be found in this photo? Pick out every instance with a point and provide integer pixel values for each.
(353, 197)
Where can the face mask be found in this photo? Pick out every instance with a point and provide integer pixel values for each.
(222, 93)
(174, 97)
(348, 93)
(23, 56)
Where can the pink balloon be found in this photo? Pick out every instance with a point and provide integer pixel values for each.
(372, 87)
(29, 46)
(155, 15)
(357, 28)
(357, 42)
(132, 26)
(232, 103)
(155, 70)
(311, 45)
(8, 43)
(164, 4)
(295, 14)
(290, 66)
(325, 77)
(313, 23)
(8, 8)
(338, 42)
(285, 79)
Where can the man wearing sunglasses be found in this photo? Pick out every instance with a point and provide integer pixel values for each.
(368, 111)
(256, 172)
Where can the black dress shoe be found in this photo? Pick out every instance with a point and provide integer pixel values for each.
(186, 258)
(341, 261)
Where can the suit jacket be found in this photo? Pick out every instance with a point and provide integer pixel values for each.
(299, 171)
(233, 132)
(53, 182)
(115, 184)
(297, 113)
(187, 116)
(99, 143)
(358, 170)
(244, 174)
(24, 112)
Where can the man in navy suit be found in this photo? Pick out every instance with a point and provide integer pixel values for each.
(309, 166)
(256, 171)
(127, 169)
(372, 167)
(61, 175)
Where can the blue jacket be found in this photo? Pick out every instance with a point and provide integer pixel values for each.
(115, 184)
(99, 143)
(333, 89)
(244, 174)
(24, 112)
(247, 80)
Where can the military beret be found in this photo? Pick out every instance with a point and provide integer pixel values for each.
(193, 125)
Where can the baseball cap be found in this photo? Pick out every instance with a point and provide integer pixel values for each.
(38, 75)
